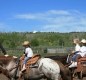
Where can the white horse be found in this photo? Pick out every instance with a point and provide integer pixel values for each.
(46, 68)
(50, 68)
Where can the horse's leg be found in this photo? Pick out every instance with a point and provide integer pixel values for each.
(12, 79)
(58, 78)
(48, 79)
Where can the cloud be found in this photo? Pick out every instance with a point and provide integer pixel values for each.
(58, 20)
(26, 16)
(58, 12)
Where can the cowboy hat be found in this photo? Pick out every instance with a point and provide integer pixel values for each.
(83, 41)
(26, 43)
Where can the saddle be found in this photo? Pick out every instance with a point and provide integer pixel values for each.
(81, 64)
(32, 60)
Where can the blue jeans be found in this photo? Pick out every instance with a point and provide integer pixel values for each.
(74, 57)
(26, 59)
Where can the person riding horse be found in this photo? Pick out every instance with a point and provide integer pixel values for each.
(28, 53)
(80, 54)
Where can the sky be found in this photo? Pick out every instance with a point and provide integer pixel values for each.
(43, 15)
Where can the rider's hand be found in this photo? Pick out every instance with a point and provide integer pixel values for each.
(73, 52)
(22, 57)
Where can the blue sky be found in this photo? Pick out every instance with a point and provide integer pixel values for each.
(42, 15)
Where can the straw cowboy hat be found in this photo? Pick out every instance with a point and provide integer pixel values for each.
(83, 41)
(25, 43)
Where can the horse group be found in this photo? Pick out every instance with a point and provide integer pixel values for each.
(45, 68)
(77, 73)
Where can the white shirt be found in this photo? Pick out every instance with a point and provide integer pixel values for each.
(29, 52)
(82, 51)
(77, 47)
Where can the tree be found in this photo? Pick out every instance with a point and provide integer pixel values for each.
(61, 43)
(34, 42)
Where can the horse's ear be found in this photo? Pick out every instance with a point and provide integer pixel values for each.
(14, 59)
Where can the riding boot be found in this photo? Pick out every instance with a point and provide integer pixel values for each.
(24, 68)
(74, 64)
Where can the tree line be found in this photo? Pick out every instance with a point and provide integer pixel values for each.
(53, 39)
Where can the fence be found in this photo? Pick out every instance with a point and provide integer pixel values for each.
(39, 50)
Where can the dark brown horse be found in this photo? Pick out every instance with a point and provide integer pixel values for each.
(62, 59)
(80, 70)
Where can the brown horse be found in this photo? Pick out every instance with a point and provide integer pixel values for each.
(80, 70)
(62, 59)
(64, 71)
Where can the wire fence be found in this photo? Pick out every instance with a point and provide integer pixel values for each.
(39, 50)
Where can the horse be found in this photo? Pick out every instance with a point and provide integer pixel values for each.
(80, 70)
(5, 66)
(64, 70)
(47, 68)
(62, 59)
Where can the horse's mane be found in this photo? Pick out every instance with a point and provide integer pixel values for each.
(6, 60)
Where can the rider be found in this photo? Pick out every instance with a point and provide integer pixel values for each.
(75, 51)
(28, 53)
(77, 48)
(80, 54)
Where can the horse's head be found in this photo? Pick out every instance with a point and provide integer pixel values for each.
(8, 65)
